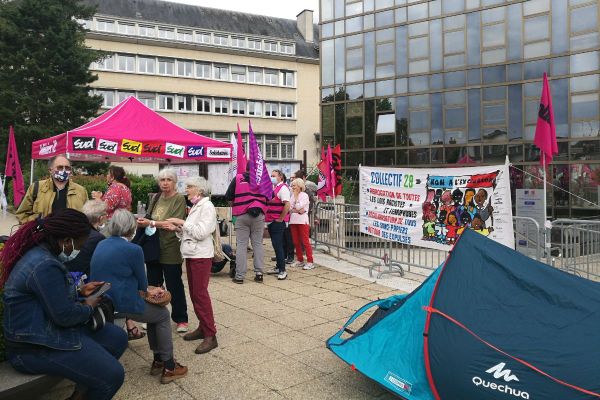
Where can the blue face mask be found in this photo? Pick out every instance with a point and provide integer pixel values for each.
(274, 180)
(62, 176)
(65, 258)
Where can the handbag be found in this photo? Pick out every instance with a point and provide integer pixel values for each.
(219, 255)
(150, 244)
(161, 301)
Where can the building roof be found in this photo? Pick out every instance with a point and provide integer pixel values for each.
(210, 19)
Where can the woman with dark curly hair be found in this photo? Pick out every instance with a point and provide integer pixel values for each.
(44, 320)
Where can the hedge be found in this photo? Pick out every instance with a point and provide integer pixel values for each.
(140, 186)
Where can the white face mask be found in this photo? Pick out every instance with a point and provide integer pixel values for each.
(65, 258)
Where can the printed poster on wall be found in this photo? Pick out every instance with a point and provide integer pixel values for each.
(432, 207)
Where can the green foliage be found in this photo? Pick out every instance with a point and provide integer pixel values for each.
(92, 168)
(140, 188)
(44, 70)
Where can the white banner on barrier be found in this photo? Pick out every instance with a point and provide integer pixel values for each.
(432, 207)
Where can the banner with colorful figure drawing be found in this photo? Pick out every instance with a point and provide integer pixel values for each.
(432, 207)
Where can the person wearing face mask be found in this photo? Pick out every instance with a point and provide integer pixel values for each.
(44, 321)
(120, 262)
(197, 248)
(52, 194)
(118, 194)
(277, 219)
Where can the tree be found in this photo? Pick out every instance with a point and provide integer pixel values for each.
(44, 69)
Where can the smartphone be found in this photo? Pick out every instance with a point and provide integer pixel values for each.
(100, 290)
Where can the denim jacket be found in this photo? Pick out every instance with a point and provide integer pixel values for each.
(40, 303)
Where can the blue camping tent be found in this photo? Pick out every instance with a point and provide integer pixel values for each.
(490, 323)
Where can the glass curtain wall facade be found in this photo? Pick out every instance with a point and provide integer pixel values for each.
(457, 82)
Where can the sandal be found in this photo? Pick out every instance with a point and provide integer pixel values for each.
(135, 334)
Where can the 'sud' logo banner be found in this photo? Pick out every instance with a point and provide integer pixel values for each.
(131, 146)
(195, 151)
(152, 148)
(174, 150)
(84, 143)
(108, 146)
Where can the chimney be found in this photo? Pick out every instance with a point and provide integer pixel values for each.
(304, 21)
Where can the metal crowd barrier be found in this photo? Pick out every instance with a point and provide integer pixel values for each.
(574, 245)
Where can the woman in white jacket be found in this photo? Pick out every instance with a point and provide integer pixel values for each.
(197, 248)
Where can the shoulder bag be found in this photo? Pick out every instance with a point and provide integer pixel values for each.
(150, 244)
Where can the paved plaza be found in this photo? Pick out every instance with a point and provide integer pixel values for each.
(271, 340)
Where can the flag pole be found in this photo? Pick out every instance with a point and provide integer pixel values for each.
(545, 230)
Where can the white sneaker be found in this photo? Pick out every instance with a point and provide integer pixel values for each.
(282, 275)
(144, 326)
(308, 266)
(182, 327)
(298, 264)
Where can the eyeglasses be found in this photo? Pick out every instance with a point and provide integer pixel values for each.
(62, 167)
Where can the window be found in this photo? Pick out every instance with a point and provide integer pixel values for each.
(123, 95)
(184, 103)
(238, 107)
(221, 40)
(271, 77)
(166, 67)
(270, 109)
(105, 26)
(148, 99)
(287, 78)
(126, 29)
(202, 105)
(287, 48)
(166, 102)
(287, 110)
(202, 70)
(270, 46)
(108, 98)
(185, 68)
(255, 108)
(238, 41)
(146, 65)
(126, 63)
(222, 72)
(287, 147)
(254, 44)
(166, 33)
(202, 37)
(255, 75)
(185, 36)
(148, 31)
(238, 73)
(106, 64)
(272, 147)
(221, 106)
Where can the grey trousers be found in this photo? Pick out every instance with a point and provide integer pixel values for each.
(159, 329)
(249, 227)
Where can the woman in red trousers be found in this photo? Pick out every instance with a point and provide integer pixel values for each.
(299, 224)
(196, 234)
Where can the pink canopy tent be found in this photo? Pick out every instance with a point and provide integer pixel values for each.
(131, 131)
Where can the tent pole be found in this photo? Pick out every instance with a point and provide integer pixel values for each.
(31, 172)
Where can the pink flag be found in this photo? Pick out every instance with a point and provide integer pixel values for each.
(13, 168)
(260, 180)
(241, 154)
(323, 188)
(332, 178)
(545, 130)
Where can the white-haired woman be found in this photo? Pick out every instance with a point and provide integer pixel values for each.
(168, 204)
(198, 250)
(299, 224)
(121, 263)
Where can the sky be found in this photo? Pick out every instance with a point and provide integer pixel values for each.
(274, 8)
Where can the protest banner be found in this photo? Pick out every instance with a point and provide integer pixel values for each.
(432, 207)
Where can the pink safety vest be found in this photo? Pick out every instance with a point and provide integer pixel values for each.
(245, 199)
(275, 207)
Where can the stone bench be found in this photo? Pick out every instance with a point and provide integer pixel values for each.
(18, 386)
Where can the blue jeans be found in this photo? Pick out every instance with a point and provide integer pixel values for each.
(94, 368)
(276, 231)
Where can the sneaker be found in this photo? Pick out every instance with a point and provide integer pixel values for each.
(157, 367)
(308, 266)
(298, 264)
(182, 327)
(169, 376)
(274, 271)
(239, 281)
(144, 326)
(258, 278)
(289, 260)
(282, 275)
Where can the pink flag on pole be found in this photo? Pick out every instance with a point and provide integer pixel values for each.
(323, 185)
(13, 168)
(260, 180)
(331, 177)
(241, 154)
(545, 130)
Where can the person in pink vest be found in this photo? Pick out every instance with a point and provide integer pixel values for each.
(277, 219)
(249, 208)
